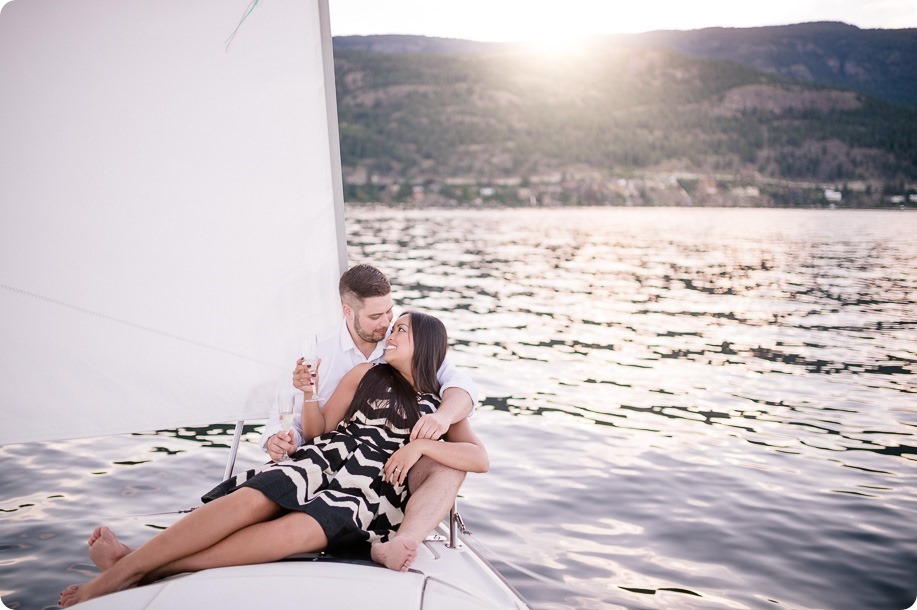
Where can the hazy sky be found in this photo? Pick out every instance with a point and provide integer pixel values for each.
(506, 20)
(559, 21)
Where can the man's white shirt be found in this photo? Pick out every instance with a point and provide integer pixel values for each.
(339, 354)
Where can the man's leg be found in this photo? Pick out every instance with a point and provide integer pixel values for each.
(433, 491)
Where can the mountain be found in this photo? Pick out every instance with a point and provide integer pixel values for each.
(879, 63)
(629, 119)
(406, 44)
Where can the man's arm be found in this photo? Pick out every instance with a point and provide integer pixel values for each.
(455, 406)
(458, 398)
(450, 376)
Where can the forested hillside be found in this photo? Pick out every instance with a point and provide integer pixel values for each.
(879, 63)
(468, 122)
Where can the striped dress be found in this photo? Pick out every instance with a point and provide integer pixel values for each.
(337, 478)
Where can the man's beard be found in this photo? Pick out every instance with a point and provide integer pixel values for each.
(369, 336)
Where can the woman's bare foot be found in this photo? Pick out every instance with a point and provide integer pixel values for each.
(67, 596)
(66, 592)
(103, 584)
(397, 554)
(105, 550)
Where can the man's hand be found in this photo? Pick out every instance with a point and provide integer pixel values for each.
(280, 445)
(455, 406)
(431, 426)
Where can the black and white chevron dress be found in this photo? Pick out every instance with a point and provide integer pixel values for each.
(337, 477)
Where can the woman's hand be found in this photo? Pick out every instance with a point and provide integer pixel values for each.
(397, 467)
(304, 378)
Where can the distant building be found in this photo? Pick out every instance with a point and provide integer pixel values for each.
(358, 175)
(746, 191)
(554, 178)
(832, 195)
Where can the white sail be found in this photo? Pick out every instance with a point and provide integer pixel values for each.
(171, 215)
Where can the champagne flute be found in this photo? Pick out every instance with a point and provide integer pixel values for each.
(310, 359)
(286, 405)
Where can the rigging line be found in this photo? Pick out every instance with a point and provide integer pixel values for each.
(181, 511)
(122, 517)
(245, 15)
(154, 331)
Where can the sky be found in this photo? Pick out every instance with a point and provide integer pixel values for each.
(551, 23)
(547, 22)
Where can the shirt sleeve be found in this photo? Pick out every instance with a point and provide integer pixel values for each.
(449, 376)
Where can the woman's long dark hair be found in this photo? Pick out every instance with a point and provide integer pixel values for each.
(384, 382)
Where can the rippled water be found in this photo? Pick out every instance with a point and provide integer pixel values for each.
(684, 409)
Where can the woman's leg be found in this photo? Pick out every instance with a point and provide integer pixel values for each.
(195, 532)
(292, 533)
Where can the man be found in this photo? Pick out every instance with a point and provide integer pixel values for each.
(367, 304)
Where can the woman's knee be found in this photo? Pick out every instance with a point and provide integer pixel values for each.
(254, 503)
(303, 531)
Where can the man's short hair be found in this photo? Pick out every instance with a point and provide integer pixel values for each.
(362, 282)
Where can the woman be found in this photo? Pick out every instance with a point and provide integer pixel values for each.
(360, 457)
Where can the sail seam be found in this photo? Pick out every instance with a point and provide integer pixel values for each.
(111, 318)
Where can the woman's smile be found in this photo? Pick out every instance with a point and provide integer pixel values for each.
(400, 340)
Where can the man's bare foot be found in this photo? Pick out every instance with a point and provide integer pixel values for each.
(105, 550)
(397, 554)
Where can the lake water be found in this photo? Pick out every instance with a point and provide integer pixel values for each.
(684, 408)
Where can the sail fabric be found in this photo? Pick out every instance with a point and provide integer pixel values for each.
(171, 216)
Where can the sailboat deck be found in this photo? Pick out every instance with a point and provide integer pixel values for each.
(442, 578)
